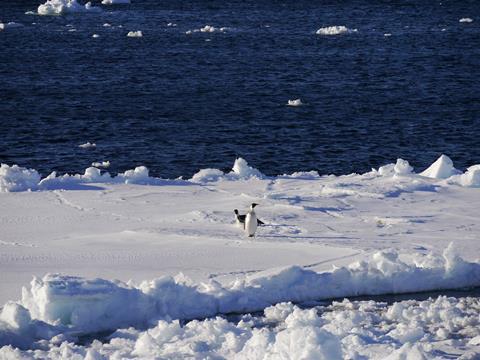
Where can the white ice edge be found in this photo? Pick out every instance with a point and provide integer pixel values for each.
(15, 178)
(60, 304)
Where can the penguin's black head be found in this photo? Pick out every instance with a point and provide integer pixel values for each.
(235, 211)
(253, 205)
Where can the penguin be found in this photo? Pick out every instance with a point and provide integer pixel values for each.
(251, 221)
(240, 219)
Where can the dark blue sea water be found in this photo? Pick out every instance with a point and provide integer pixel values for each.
(177, 103)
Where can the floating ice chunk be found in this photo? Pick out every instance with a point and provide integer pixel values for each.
(88, 145)
(10, 25)
(95, 36)
(107, 25)
(16, 178)
(103, 164)
(465, 20)
(207, 29)
(115, 2)
(171, 24)
(402, 167)
(296, 102)
(387, 35)
(135, 34)
(60, 7)
(242, 170)
(335, 30)
(442, 168)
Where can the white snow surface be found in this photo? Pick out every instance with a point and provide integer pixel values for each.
(335, 30)
(61, 7)
(385, 231)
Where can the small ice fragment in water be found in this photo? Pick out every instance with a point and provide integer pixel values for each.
(107, 25)
(387, 34)
(103, 164)
(135, 34)
(114, 2)
(95, 36)
(334, 30)
(171, 24)
(465, 20)
(296, 102)
(87, 145)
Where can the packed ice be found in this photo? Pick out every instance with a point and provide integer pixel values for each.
(61, 7)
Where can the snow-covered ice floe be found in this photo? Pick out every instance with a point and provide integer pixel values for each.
(15, 178)
(335, 30)
(135, 34)
(61, 7)
(71, 306)
(465, 20)
(342, 330)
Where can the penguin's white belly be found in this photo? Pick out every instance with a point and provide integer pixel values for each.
(250, 224)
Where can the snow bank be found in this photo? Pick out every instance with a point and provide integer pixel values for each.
(442, 168)
(335, 30)
(115, 2)
(94, 305)
(471, 177)
(61, 7)
(401, 167)
(207, 175)
(61, 306)
(16, 178)
(135, 34)
(242, 170)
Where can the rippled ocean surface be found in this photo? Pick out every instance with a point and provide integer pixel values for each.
(179, 102)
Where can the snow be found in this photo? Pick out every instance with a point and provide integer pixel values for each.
(178, 255)
(16, 178)
(115, 2)
(88, 145)
(347, 329)
(135, 34)
(441, 169)
(335, 30)
(296, 102)
(61, 7)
